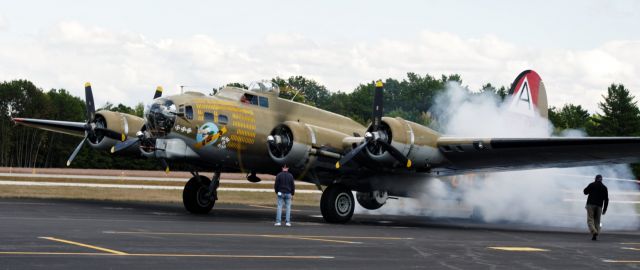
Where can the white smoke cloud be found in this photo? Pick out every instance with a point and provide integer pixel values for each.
(126, 66)
(550, 197)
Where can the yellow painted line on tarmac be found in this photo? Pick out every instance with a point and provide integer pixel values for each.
(519, 249)
(270, 207)
(167, 255)
(263, 235)
(84, 245)
(315, 239)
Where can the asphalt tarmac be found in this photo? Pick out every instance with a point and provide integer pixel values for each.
(76, 234)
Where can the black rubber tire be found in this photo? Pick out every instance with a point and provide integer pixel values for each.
(193, 196)
(366, 200)
(337, 204)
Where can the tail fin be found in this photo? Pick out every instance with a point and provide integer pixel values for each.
(528, 95)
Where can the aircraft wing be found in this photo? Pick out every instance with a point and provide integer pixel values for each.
(499, 154)
(66, 127)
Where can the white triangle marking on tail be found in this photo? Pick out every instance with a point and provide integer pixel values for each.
(521, 102)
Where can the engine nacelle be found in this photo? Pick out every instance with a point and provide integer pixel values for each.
(119, 122)
(416, 142)
(291, 142)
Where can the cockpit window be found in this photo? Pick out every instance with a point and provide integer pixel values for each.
(249, 99)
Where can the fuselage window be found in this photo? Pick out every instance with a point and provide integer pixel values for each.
(264, 102)
(223, 119)
(208, 117)
(188, 112)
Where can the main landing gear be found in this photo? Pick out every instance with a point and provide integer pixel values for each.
(200, 193)
(337, 204)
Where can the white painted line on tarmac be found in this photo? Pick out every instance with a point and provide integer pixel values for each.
(130, 178)
(93, 185)
(622, 202)
(93, 177)
(611, 192)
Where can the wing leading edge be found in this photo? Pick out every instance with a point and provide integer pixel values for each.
(66, 127)
(499, 154)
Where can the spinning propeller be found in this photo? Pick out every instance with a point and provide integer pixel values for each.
(94, 128)
(377, 138)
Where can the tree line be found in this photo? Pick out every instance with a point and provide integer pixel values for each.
(410, 98)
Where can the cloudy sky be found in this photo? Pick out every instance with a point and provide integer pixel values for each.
(126, 48)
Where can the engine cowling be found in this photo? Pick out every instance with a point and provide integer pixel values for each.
(119, 122)
(291, 142)
(416, 142)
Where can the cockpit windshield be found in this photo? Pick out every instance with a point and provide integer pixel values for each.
(161, 116)
(266, 87)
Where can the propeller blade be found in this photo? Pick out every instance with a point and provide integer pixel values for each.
(112, 134)
(91, 109)
(75, 152)
(165, 165)
(123, 145)
(158, 92)
(377, 106)
(346, 158)
(395, 153)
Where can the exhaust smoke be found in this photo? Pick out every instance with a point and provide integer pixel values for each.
(549, 197)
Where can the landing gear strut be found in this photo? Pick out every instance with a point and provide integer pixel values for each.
(200, 193)
(337, 204)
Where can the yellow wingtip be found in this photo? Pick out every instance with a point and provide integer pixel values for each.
(408, 163)
(87, 84)
(338, 165)
(379, 83)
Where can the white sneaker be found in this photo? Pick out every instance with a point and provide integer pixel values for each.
(288, 224)
(277, 224)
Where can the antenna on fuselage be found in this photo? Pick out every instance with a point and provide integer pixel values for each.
(297, 90)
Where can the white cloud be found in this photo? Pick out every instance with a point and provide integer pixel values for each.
(125, 66)
(4, 24)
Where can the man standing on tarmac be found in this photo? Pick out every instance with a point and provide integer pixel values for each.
(285, 189)
(598, 195)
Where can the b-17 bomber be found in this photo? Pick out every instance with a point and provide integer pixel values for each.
(254, 131)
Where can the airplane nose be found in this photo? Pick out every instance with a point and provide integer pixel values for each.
(161, 117)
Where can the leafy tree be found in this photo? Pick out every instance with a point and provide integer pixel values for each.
(139, 110)
(620, 114)
(237, 84)
(489, 89)
(569, 117)
(305, 90)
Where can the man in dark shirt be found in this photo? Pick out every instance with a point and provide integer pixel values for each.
(285, 189)
(598, 195)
